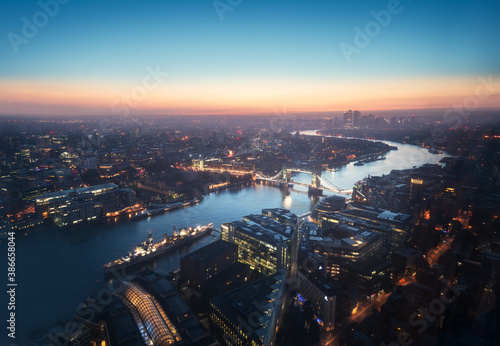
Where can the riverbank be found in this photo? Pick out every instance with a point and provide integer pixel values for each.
(407, 137)
(76, 258)
(159, 209)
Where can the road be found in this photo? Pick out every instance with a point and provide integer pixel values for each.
(432, 258)
(356, 318)
(434, 254)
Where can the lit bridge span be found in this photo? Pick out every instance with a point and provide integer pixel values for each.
(317, 181)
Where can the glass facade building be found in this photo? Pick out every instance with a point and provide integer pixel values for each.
(263, 250)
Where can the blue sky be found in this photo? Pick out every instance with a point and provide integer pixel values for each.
(257, 42)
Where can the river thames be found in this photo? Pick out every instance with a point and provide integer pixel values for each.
(57, 270)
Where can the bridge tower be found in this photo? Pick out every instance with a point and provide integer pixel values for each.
(315, 177)
(314, 189)
(286, 175)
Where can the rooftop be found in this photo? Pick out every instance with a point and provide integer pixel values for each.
(52, 195)
(280, 213)
(210, 251)
(267, 223)
(347, 237)
(174, 306)
(81, 190)
(257, 231)
(378, 215)
(329, 289)
(259, 296)
(95, 188)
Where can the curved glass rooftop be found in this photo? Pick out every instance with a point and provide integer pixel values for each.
(326, 206)
(153, 323)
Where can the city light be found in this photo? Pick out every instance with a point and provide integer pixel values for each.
(250, 173)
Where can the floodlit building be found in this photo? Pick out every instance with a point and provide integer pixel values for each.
(78, 212)
(47, 204)
(260, 248)
(344, 244)
(395, 228)
(84, 204)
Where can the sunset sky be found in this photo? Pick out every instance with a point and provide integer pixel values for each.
(96, 57)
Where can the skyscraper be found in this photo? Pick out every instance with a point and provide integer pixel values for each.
(356, 118)
(348, 119)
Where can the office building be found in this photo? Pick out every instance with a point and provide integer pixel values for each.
(78, 212)
(270, 224)
(38, 188)
(343, 244)
(416, 188)
(368, 277)
(260, 248)
(356, 118)
(281, 215)
(23, 225)
(113, 170)
(403, 259)
(234, 276)
(395, 228)
(47, 204)
(59, 140)
(226, 165)
(84, 204)
(330, 302)
(249, 315)
(203, 264)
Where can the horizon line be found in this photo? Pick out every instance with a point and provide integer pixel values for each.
(267, 114)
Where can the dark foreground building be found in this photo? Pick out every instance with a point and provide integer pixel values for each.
(203, 264)
(249, 315)
(149, 311)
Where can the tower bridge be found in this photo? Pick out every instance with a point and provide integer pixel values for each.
(317, 185)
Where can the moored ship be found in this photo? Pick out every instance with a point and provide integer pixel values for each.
(157, 210)
(148, 250)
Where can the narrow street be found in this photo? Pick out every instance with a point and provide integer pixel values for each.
(365, 311)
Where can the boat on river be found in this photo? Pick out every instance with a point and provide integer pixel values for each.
(148, 250)
(157, 210)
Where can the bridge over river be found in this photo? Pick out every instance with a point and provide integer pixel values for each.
(318, 183)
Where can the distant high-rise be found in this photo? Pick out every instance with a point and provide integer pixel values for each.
(416, 188)
(349, 119)
(371, 121)
(356, 118)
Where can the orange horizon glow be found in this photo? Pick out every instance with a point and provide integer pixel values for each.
(228, 97)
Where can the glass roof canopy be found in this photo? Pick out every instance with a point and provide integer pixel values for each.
(154, 325)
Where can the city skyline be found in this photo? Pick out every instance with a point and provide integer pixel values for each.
(368, 212)
(236, 172)
(245, 58)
